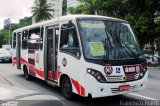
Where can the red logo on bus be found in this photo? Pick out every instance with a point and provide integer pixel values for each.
(108, 70)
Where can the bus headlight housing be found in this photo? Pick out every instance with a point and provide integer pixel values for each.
(142, 73)
(97, 75)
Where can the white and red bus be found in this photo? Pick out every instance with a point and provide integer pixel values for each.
(88, 55)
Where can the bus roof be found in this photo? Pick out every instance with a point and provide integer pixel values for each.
(68, 17)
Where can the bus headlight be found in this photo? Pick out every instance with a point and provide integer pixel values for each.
(97, 75)
(142, 73)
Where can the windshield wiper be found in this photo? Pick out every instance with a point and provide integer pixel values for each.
(107, 43)
(131, 51)
(107, 49)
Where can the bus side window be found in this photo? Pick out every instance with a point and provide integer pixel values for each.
(24, 39)
(34, 39)
(56, 40)
(69, 41)
(41, 38)
(14, 40)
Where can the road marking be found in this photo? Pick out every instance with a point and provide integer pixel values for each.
(142, 96)
(1, 75)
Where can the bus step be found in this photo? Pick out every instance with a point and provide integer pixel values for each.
(52, 83)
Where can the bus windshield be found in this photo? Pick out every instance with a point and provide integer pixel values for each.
(102, 37)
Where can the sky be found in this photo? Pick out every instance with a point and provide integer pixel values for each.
(14, 9)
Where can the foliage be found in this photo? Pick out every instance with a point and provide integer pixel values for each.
(25, 21)
(157, 40)
(42, 11)
(78, 10)
(4, 33)
(64, 7)
(157, 29)
(158, 21)
(140, 13)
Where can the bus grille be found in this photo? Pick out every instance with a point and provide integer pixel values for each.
(131, 76)
(121, 78)
(115, 78)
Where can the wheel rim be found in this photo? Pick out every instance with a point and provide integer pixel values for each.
(67, 88)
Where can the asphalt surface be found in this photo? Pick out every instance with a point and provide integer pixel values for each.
(14, 77)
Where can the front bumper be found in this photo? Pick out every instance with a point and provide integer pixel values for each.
(97, 89)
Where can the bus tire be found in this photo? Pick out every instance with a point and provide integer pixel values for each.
(66, 88)
(26, 75)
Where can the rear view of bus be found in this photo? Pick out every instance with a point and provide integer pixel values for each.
(114, 62)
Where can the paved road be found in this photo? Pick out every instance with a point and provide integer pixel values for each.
(14, 77)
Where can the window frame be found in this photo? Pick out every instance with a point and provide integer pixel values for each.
(14, 40)
(64, 50)
(24, 47)
(37, 43)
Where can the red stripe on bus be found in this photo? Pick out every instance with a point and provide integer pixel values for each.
(40, 73)
(14, 61)
(31, 67)
(57, 74)
(14, 58)
(80, 89)
(50, 75)
(23, 61)
(76, 85)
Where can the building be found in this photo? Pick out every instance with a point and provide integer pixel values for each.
(57, 6)
(72, 3)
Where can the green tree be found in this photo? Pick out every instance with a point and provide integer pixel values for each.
(87, 7)
(22, 22)
(4, 35)
(42, 10)
(78, 10)
(25, 21)
(64, 7)
(140, 13)
(157, 30)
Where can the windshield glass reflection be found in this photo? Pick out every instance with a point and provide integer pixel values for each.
(101, 37)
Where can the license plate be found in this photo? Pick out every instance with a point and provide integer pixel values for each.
(124, 87)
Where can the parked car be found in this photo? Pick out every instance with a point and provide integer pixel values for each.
(152, 59)
(5, 56)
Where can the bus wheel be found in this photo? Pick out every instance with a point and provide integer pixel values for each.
(66, 88)
(26, 75)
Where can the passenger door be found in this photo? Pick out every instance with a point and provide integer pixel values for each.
(18, 49)
(51, 52)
